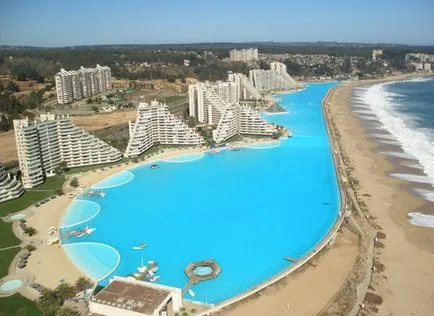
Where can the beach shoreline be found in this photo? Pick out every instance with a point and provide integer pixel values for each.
(385, 201)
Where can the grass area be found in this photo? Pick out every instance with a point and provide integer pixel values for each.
(6, 257)
(7, 237)
(174, 99)
(31, 196)
(16, 305)
(93, 167)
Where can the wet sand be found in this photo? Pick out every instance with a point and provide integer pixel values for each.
(405, 287)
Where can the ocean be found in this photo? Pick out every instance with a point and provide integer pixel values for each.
(403, 112)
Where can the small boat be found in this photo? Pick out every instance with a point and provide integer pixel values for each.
(140, 246)
(154, 278)
(190, 291)
(155, 166)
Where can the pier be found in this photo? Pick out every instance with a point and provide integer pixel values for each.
(195, 277)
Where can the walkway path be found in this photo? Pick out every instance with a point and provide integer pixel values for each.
(10, 247)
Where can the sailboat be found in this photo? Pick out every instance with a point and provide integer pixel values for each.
(192, 294)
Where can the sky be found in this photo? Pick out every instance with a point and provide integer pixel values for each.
(53, 23)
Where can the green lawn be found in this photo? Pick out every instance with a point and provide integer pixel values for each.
(6, 257)
(16, 305)
(174, 99)
(94, 167)
(7, 237)
(33, 195)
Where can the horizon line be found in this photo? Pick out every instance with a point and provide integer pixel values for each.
(219, 42)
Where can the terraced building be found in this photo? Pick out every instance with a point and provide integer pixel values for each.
(155, 124)
(43, 144)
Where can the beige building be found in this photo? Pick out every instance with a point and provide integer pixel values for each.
(75, 85)
(241, 120)
(130, 297)
(376, 54)
(154, 124)
(243, 54)
(246, 90)
(42, 145)
(208, 99)
(274, 79)
(10, 187)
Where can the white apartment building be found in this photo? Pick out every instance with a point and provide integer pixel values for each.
(243, 54)
(75, 85)
(208, 99)
(43, 144)
(376, 54)
(154, 124)
(241, 119)
(246, 90)
(10, 187)
(276, 78)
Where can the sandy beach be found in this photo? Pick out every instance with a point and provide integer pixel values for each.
(405, 287)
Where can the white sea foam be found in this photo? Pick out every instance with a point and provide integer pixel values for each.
(398, 154)
(415, 165)
(364, 112)
(426, 194)
(412, 177)
(420, 219)
(414, 142)
(383, 136)
(368, 118)
(389, 142)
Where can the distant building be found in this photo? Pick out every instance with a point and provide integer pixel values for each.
(276, 78)
(241, 119)
(10, 187)
(243, 54)
(427, 67)
(75, 85)
(42, 145)
(207, 99)
(376, 54)
(186, 63)
(154, 124)
(246, 89)
(129, 297)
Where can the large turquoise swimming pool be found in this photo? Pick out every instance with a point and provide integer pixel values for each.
(245, 209)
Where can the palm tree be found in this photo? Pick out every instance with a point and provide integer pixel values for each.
(49, 302)
(65, 291)
(67, 311)
(82, 284)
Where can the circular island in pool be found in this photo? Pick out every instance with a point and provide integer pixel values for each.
(247, 210)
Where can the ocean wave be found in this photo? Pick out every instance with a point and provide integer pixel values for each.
(426, 194)
(413, 141)
(412, 177)
(420, 219)
(383, 136)
(398, 154)
(389, 142)
(368, 118)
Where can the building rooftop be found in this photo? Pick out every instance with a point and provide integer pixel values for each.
(135, 297)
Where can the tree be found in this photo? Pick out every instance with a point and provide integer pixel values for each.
(67, 311)
(12, 87)
(94, 108)
(74, 183)
(30, 231)
(65, 291)
(82, 284)
(89, 101)
(61, 168)
(49, 302)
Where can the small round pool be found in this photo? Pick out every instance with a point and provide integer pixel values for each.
(202, 270)
(17, 217)
(11, 285)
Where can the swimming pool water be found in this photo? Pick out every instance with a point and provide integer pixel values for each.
(11, 285)
(245, 209)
